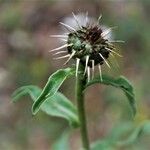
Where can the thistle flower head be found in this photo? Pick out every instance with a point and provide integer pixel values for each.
(88, 44)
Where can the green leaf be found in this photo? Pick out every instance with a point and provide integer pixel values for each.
(110, 141)
(121, 83)
(137, 132)
(102, 145)
(32, 90)
(53, 84)
(119, 130)
(63, 142)
(123, 135)
(57, 105)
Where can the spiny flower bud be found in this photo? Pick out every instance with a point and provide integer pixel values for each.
(87, 44)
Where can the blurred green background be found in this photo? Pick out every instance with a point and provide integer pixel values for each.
(25, 26)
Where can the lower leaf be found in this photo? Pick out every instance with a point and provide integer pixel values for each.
(57, 105)
(63, 142)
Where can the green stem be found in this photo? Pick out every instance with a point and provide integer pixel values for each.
(80, 84)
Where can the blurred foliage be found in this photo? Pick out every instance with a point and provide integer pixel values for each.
(25, 27)
(10, 17)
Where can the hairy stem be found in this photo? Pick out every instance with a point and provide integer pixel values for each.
(80, 84)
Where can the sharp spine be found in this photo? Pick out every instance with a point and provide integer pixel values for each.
(114, 52)
(67, 26)
(99, 18)
(104, 60)
(77, 66)
(92, 69)
(65, 40)
(117, 41)
(107, 31)
(115, 59)
(61, 52)
(88, 73)
(86, 63)
(66, 33)
(73, 53)
(86, 18)
(62, 57)
(58, 36)
(100, 72)
(75, 17)
(61, 47)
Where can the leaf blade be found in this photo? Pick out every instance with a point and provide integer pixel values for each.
(57, 105)
(32, 90)
(122, 135)
(121, 83)
(53, 84)
(62, 142)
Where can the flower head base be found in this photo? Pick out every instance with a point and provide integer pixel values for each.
(88, 45)
(88, 42)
